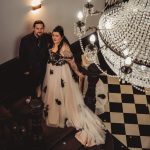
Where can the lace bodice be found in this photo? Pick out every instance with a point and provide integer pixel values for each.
(56, 58)
(59, 58)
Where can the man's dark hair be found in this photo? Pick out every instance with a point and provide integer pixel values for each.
(38, 22)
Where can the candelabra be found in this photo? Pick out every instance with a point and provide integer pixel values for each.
(124, 39)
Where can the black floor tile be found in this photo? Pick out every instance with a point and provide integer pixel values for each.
(127, 98)
(133, 141)
(118, 128)
(115, 107)
(112, 88)
(141, 109)
(105, 117)
(148, 98)
(130, 118)
(118, 145)
(144, 130)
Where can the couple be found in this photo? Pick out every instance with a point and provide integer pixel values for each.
(63, 97)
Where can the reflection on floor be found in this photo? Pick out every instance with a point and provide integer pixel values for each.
(127, 114)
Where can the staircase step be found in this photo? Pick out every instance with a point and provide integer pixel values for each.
(67, 141)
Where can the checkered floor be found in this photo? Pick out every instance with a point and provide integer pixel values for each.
(127, 114)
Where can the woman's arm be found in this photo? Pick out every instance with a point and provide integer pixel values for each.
(67, 54)
(74, 67)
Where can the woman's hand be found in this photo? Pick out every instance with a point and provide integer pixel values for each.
(81, 81)
(81, 76)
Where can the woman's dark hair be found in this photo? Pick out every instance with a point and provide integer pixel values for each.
(60, 30)
(38, 22)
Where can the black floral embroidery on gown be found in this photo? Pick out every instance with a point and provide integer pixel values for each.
(51, 71)
(56, 59)
(62, 83)
(101, 96)
(58, 102)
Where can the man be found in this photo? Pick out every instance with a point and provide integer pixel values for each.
(33, 53)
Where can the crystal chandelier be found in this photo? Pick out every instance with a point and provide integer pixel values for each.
(124, 39)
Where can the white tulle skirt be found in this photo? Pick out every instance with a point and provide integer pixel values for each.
(65, 102)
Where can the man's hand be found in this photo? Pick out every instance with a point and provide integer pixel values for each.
(26, 73)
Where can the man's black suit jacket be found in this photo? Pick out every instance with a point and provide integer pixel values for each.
(33, 54)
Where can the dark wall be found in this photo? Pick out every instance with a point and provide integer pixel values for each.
(11, 82)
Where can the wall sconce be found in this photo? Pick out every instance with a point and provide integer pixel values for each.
(36, 4)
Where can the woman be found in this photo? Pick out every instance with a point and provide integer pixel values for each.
(63, 97)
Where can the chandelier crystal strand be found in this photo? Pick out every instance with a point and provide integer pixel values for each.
(81, 44)
(111, 2)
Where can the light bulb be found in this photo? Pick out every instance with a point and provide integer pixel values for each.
(36, 3)
(126, 52)
(128, 61)
(125, 42)
(92, 39)
(80, 15)
(89, 1)
(143, 67)
(108, 24)
(35, 11)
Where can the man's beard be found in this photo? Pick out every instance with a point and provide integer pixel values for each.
(38, 35)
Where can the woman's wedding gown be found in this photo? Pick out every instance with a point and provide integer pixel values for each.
(65, 102)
